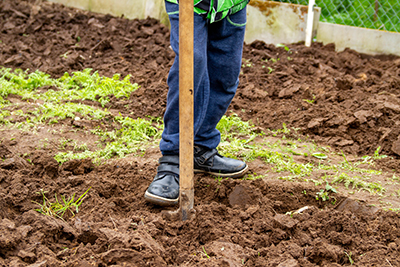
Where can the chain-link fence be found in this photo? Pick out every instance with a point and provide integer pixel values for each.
(373, 14)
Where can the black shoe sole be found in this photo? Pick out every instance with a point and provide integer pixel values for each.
(161, 201)
(228, 175)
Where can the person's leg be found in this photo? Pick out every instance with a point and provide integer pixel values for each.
(224, 60)
(164, 190)
(169, 144)
(224, 54)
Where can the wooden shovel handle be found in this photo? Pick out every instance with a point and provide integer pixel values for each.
(186, 106)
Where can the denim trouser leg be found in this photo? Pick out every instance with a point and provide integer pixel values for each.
(217, 61)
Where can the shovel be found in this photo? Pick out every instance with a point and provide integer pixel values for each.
(186, 84)
(186, 183)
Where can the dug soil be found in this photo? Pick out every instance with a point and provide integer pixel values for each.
(347, 100)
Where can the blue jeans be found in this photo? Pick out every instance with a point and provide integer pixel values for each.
(217, 62)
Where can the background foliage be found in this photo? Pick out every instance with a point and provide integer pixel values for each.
(373, 14)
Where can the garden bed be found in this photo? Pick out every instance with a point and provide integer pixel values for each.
(320, 132)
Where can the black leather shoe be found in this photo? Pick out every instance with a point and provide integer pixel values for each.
(164, 190)
(211, 162)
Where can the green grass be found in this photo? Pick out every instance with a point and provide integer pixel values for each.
(52, 104)
(82, 85)
(357, 182)
(131, 137)
(51, 113)
(238, 140)
(59, 208)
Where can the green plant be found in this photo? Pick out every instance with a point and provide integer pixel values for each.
(398, 193)
(204, 250)
(287, 49)
(65, 55)
(219, 180)
(82, 85)
(310, 101)
(357, 182)
(284, 130)
(233, 125)
(377, 155)
(57, 208)
(323, 194)
(349, 257)
(132, 135)
(247, 63)
(253, 177)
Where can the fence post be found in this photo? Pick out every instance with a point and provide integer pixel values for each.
(310, 23)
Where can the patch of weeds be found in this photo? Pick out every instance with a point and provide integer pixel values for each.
(397, 210)
(357, 183)
(92, 86)
(233, 125)
(348, 166)
(246, 63)
(82, 85)
(59, 208)
(3, 117)
(51, 113)
(235, 135)
(64, 143)
(323, 194)
(282, 162)
(398, 193)
(377, 155)
(133, 135)
(284, 130)
(316, 182)
(273, 60)
(81, 147)
(310, 101)
(21, 83)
